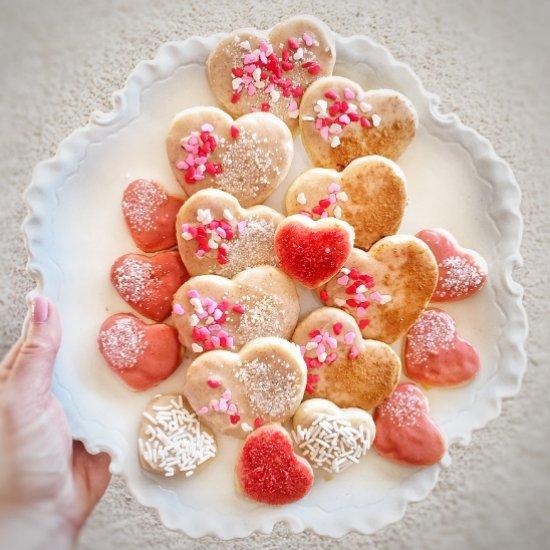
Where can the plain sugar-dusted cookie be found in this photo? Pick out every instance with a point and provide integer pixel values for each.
(405, 432)
(342, 367)
(217, 236)
(340, 122)
(330, 438)
(172, 442)
(148, 283)
(435, 355)
(254, 71)
(462, 272)
(141, 355)
(311, 252)
(386, 288)
(237, 392)
(248, 157)
(269, 471)
(370, 194)
(212, 312)
(150, 213)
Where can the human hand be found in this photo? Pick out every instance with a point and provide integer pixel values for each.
(49, 483)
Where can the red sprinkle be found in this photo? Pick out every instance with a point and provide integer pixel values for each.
(364, 323)
(213, 383)
(331, 94)
(234, 131)
(337, 328)
(324, 295)
(258, 422)
(234, 418)
(238, 308)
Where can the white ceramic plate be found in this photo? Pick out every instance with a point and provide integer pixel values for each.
(74, 231)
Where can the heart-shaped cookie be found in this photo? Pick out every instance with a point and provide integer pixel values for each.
(148, 283)
(342, 367)
(237, 392)
(150, 213)
(253, 71)
(269, 471)
(462, 272)
(405, 432)
(141, 355)
(435, 355)
(216, 235)
(172, 441)
(212, 312)
(370, 194)
(312, 252)
(386, 288)
(340, 122)
(331, 438)
(248, 157)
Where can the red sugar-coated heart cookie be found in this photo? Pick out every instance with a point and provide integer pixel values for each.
(312, 252)
(435, 355)
(148, 284)
(268, 471)
(150, 213)
(404, 431)
(141, 355)
(462, 272)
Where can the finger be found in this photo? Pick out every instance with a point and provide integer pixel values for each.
(8, 361)
(31, 375)
(91, 476)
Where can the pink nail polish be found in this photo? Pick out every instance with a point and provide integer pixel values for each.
(39, 310)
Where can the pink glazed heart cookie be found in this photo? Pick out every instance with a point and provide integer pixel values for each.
(236, 392)
(141, 355)
(462, 272)
(405, 432)
(435, 355)
(342, 367)
(252, 71)
(370, 194)
(312, 252)
(340, 122)
(248, 157)
(212, 312)
(386, 288)
(216, 235)
(269, 471)
(148, 283)
(150, 213)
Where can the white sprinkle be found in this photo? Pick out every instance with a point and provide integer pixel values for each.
(236, 82)
(365, 107)
(275, 95)
(308, 118)
(342, 196)
(227, 214)
(196, 348)
(301, 199)
(337, 212)
(194, 320)
(376, 120)
(335, 142)
(245, 45)
(339, 301)
(294, 114)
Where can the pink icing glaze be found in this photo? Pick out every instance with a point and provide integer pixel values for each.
(434, 353)
(404, 431)
(462, 272)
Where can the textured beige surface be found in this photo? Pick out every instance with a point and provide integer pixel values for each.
(488, 61)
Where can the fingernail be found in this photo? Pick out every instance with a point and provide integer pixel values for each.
(39, 310)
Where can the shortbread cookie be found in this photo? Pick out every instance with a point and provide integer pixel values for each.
(148, 283)
(330, 438)
(342, 367)
(212, 312)
(386, 288)
(248, 157)
(254, 71)
(172, 441)
(462, 272)
(235, 393)
(340, 122)
(405, 432)
(370, 194)
(269, 471)
(217, 236)
(150, 213)
(141, 355)
(435, 355)
(312, 252)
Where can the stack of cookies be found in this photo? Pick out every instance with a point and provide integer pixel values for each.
(220, 275)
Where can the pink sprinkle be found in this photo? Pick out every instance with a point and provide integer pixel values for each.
(232, 409)
(360, 297)
(320, 349)
(190, 160)
(182, 165)
(317, 339)
(215, 404)
(332, 198)
(293, 106)
(343, 280)
(188, 147)
(203, 410)
(193, 293)
(200, 253)
(178, 310)
(332, 342)
(334, 188)
(307, 39)
(349, 337)
(194, 140)
(223, 334)
(344, 119)
(214, 339)
(215, 328)
(227, 395)
(200, 160)
(361, 311)
(353, 352)
(249, 58)
(331, 357)
(263, 45)
(241, 226)
(217, 314)
(230, 342)
(303, 350)
(202, 314)
(204, 331)
(349, 94)
(319, 123)
(207, 127)
(249, 69)
(251, 90)
(324, 132)
(223, 405)
(208, 302)
(324, 214)
(268, 89)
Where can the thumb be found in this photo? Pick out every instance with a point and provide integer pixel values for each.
(31, 376)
